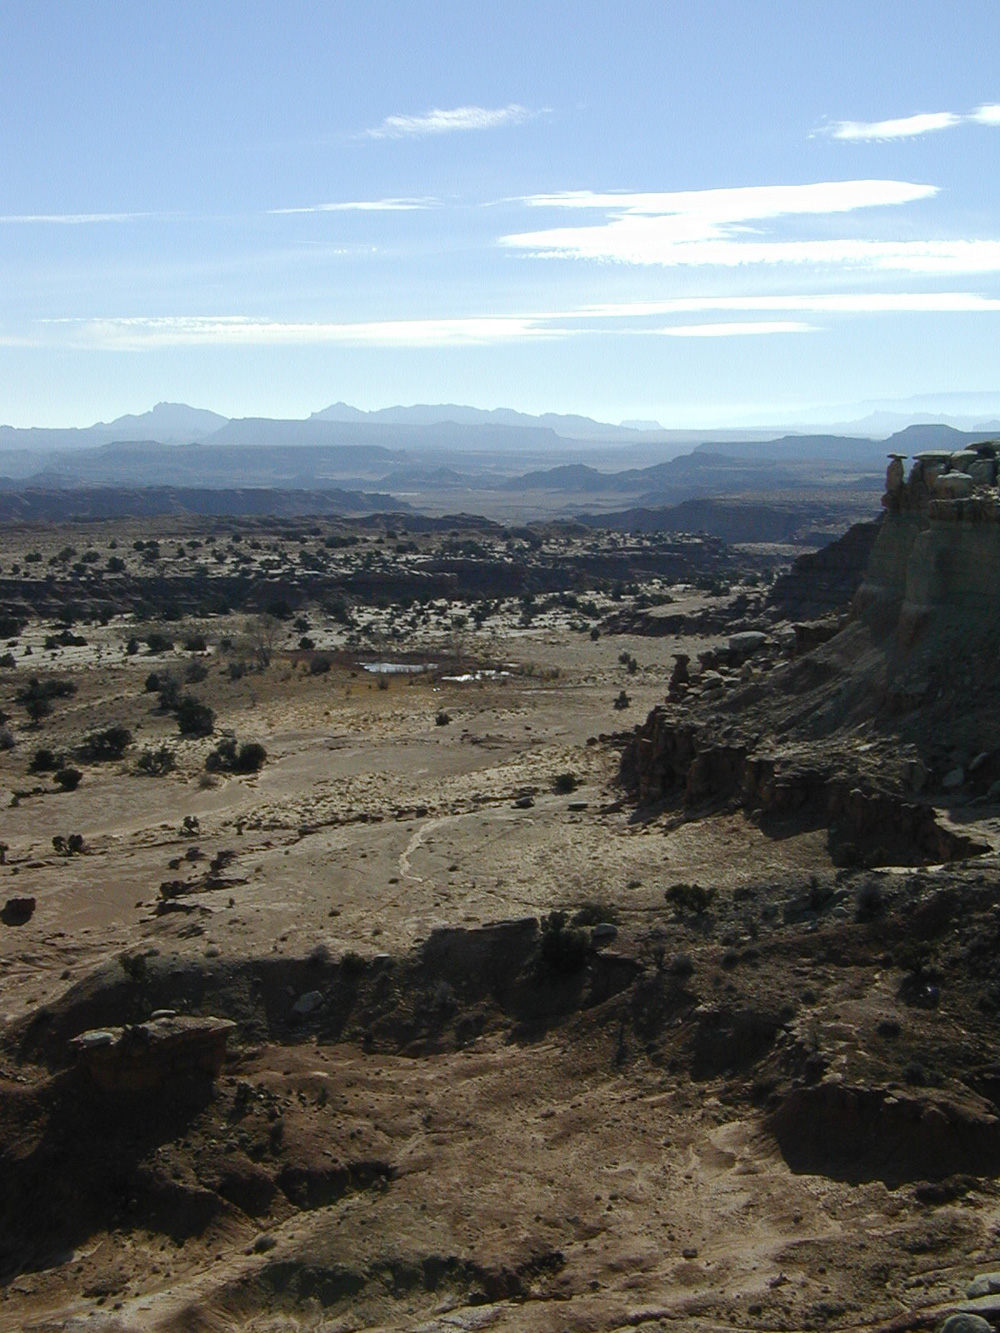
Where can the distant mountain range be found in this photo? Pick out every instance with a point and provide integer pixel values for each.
(474, 429)
(566, 426)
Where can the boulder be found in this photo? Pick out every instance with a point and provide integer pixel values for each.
(966, 1323)
(17, 911)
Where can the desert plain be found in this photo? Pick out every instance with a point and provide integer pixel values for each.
(512, 1047)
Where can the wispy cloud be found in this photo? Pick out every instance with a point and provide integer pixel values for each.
(736, 329)
(143, 333)
(742, 203)
(904, 127)
(138, 333)
(362, 206)
(836, 303)
(909, 127)
(449, 122)
(711, 228)
(75, 219)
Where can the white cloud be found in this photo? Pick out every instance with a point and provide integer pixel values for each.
(707, 228)
(735, 329)
(904, 127)
(448, 122)
(845, 303)
(362, 206)
(909, 127)
(75, 219)
(743, 203)
(140, 333)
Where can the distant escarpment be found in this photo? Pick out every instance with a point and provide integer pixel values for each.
(30, 504)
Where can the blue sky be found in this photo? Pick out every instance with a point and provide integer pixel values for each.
(695, 211)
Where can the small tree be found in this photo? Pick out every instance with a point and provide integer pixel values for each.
(194, 718)
(111, 743)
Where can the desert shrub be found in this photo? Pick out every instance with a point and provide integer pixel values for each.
(7, 741)
(116, 565)
(595, 914)
(64, 639)
(111, 743)
(442, 719)
(195, 643)
(11, 626)
(67, 778)
(8, 660)
(564, 783)
(194, 718)
(195, 672)
(45, 761)
(229, 757)
(622, 701)
(681, 966)
(869, 902)
(690, 898)
(153, 681)
(157, 642)
(170, 694)
(37, 696)
(563, 949)
(132, 647)
(319, 665)
(156, 761)
(306, 644)
(595, 633)
(236, 670)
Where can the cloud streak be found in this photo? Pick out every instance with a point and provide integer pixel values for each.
(736, 329)
(911, 127)
(74, 219)
(146, 333)
(719, 228)
(361, 206)
(458, 119)
(742, 203)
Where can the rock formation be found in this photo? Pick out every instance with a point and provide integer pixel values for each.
(145, 1056)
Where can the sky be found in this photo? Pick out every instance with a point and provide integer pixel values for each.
(697, 212)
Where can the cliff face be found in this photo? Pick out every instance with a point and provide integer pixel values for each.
(934, 572)
(857, 735)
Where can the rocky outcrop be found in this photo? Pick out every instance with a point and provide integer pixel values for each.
(932, 572)
(145, 1056)
(674, 760)
(866, 1133)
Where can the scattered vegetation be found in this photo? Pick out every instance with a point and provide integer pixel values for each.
(230, 757)
(563, 948)
(194, 718)
(37, 696)
(156, 761)
(102, 746)
(690, 898)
